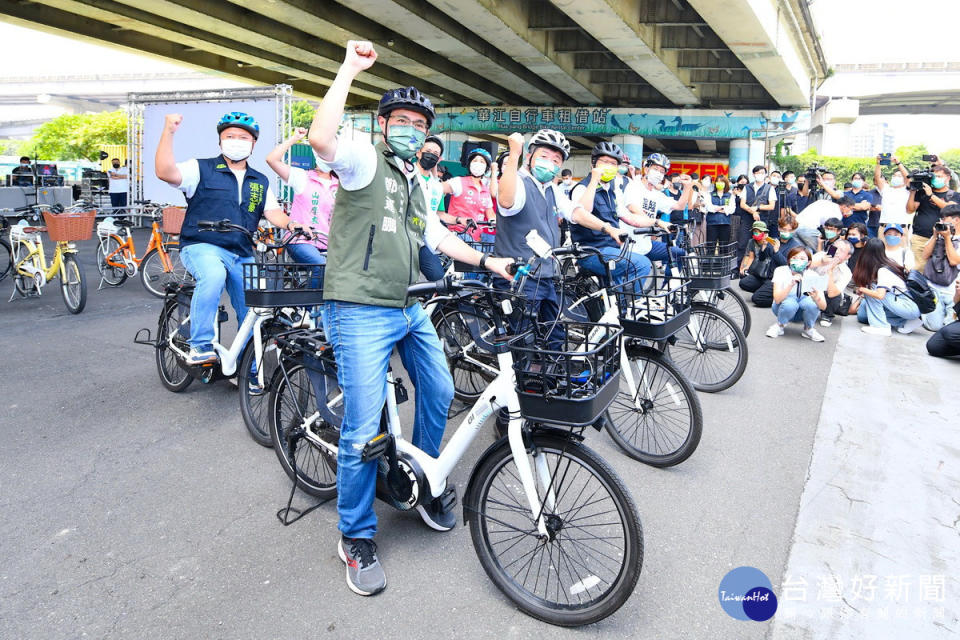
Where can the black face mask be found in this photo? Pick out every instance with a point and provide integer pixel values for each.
(428, 160)
(116, 165)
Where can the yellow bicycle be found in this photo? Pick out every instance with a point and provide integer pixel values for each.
(31, 272)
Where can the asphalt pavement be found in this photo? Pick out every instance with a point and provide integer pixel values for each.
(130, 511)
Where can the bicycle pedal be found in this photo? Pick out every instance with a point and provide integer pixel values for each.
(376, 448)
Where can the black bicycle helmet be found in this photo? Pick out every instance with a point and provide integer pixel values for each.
(435, 140)
(609, 149)
(407, 98)
(240, 120)
(550, 138)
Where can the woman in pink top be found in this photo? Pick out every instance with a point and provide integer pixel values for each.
(471, 199)
(314, 194)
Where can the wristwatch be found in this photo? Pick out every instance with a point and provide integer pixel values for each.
(604, 228)
(483, 260)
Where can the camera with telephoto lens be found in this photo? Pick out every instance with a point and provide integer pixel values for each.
(918, 178)
(813, 172)
(944, 226)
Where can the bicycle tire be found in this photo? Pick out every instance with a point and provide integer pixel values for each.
(6, 259)
(710, 366)
(603, 587)
(469, 380)
(113, 276)
(662, 435)
(291, 397)
(731, 303)
(253, 404)
(153, 276)
(656, 270)
(172, 375)
(73, 285)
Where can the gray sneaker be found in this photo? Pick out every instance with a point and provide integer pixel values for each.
(364, 574)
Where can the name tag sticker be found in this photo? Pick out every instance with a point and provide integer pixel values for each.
(389, 224)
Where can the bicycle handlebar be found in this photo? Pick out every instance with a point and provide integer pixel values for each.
(225, 226)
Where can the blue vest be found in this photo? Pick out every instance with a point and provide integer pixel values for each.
(605, 208)
(539, 212)
(718, 201)
(216, 199)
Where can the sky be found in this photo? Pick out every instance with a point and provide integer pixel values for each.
(886, 31)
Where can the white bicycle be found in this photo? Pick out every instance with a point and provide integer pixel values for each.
(552, 524)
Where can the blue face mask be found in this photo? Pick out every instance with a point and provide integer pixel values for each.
(544, 170)
(786, 235)
(405, 140)
(856, 184)
(893, 240)
(938, 182)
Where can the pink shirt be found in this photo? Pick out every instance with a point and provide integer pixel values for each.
(312, 202)
(468, 201)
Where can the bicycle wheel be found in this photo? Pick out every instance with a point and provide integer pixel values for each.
(296, 430)
(711, 351)
(155, 278)
(659, 422)
(469, 378)
(588, 565)
(731, 303)
(73, 286)
(113, 276)
(253, 388)
(6, 259)
(656, 270)
(172, 375)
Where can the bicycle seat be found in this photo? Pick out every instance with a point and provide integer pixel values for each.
(33, 229)
(122, 223)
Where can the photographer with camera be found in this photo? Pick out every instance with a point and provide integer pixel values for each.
(818, 184)
(942, 255)
(929, 194)
(893, 194)
(818, 214)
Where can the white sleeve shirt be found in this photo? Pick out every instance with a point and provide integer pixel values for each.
(190, 180)
(356, 165)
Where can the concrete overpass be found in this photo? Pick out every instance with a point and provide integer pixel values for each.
(678, 56)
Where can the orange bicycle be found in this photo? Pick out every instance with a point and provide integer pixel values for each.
(117, 257)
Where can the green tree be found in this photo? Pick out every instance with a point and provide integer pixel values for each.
(912, 155)
(842, 166)
(951, 158)
(77, 136)
(301, 114)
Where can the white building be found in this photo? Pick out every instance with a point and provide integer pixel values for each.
(867, 139)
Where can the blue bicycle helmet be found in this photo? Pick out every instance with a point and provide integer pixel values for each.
(241, 120)
(483, 153)
(658, 158)
(407, 98)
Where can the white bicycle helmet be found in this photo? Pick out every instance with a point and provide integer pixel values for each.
(550, 138)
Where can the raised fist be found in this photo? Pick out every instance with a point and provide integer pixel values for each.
(172, 121)
(360, 55)
(515, 141)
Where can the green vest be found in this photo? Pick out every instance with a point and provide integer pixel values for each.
(375, 237)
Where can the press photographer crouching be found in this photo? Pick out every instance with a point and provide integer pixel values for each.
(929, 194)
(798, 295)
(834, 266)
(942, 255)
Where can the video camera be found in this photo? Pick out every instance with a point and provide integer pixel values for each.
(918, 178)
(944, 226)
(814, 171)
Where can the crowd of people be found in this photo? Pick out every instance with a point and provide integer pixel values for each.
(379, 212)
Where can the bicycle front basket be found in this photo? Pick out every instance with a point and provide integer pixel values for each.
(655, 313)
(572, 383)
(277, 284)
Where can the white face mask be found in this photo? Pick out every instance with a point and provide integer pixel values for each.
(478, 168)
(896, 181)
(236, 149)
(774, 180)
(655, 177)
(828, 183)
(567, 182)
(759, 177)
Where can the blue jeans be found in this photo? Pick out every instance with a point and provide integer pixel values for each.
(893, 311)
(793, 309)
(632, 266)
(430, 265)
(304, 253)
(658, 252)
(943, 314)
(213, 268)
(363, 337)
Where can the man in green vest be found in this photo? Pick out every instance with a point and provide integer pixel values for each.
(379, 223)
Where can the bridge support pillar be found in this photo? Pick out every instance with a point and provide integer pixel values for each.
(744, 155)
(632, 146)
